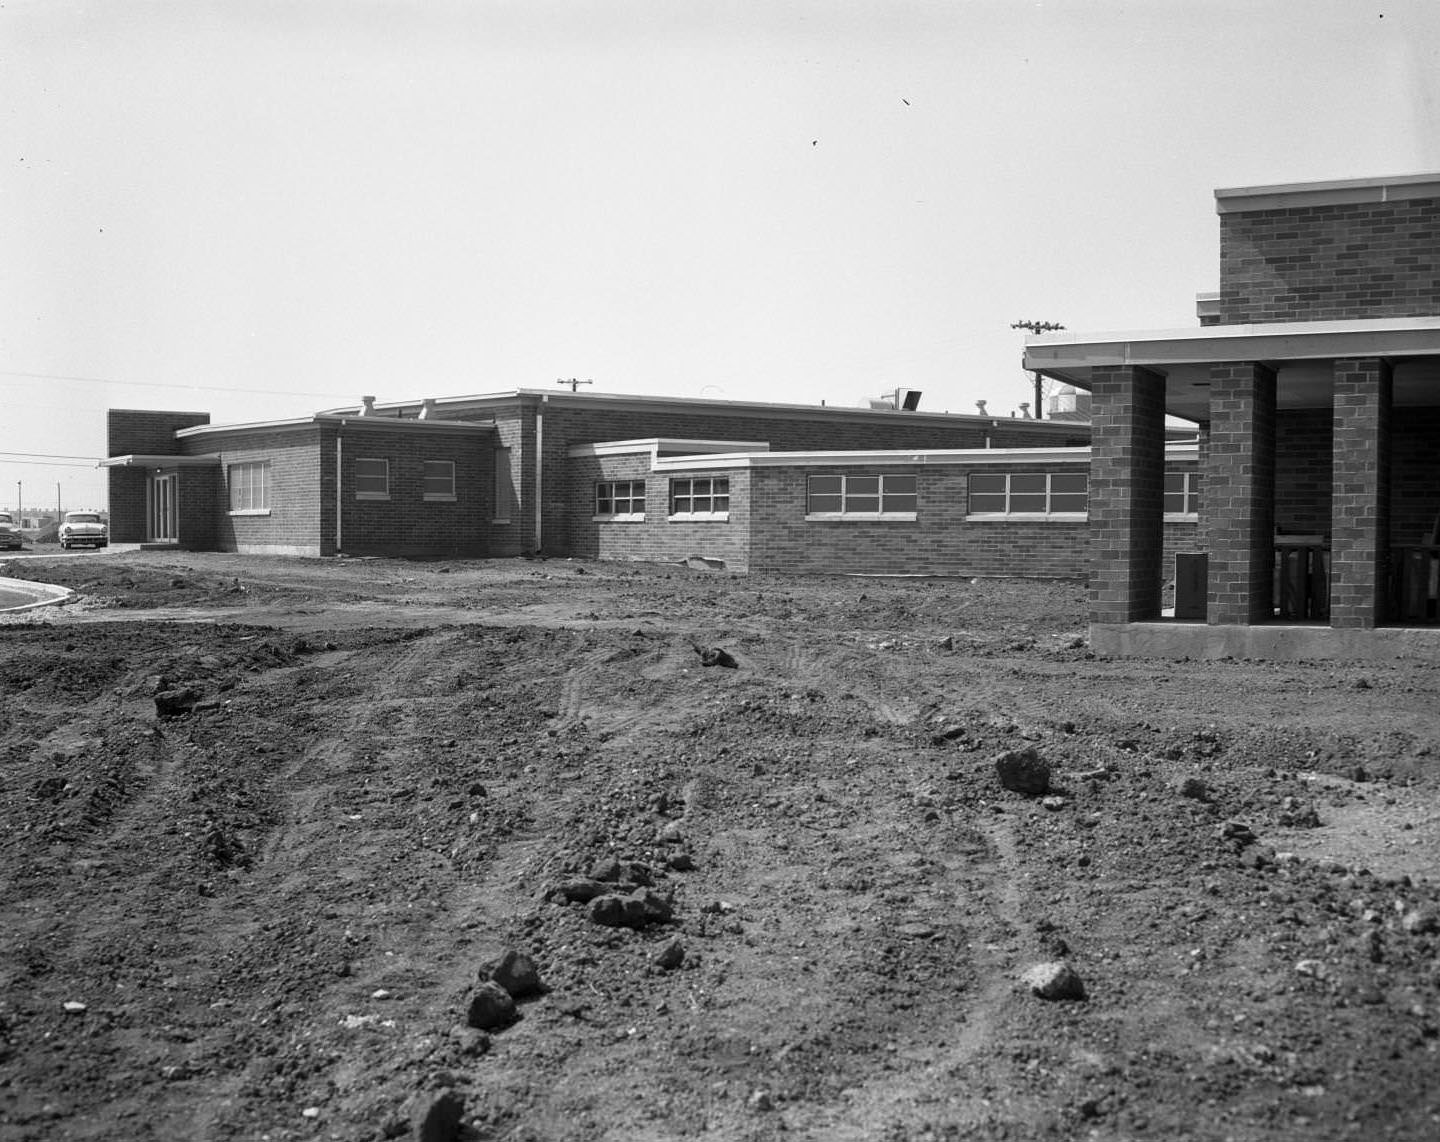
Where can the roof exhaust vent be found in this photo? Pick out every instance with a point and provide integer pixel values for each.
(1025, 410)
(367, 406)
(907, 400)
(427, 408)
(980, 406)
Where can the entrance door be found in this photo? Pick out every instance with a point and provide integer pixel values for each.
(160, 512)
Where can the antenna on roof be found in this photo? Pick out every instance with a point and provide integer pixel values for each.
(573, 383)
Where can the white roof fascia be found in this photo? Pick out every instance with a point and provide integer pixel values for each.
(1278, 341)
(1332, 192)
(381, 422)
(656, 445)
(137, 460)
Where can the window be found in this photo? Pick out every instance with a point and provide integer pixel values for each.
(708, 498)
(439, 480)
(1028, 493)
(620, 499)
(861, 497)
(372, 479)
(1182, 493)
(250, 487)
(505, 504)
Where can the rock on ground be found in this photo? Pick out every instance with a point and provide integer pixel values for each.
(1055, 980)
(1023, 771)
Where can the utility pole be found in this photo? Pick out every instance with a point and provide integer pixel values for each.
(59, 515)
(20, 501)
(1037, 327)
(573, 383)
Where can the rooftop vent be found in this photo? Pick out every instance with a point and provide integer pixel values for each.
(367, 406)
(907, 400)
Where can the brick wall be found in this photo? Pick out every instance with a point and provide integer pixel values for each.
(564, 424)
(1302, 470)
(656, 539)
(1315, 263)
(1240, 493)
(294, 525)
(1126, 494)
(1361, 498)
(1414, 474)
(131, 432)
(146, 431)
(768, 532)
(196, 520)
(406, 524)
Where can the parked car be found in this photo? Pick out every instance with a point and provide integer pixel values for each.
(84, 529)
(10, 537)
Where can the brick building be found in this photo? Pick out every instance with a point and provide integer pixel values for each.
(1315, 379)
(750, 486)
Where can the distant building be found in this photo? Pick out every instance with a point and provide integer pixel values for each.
(752, 486)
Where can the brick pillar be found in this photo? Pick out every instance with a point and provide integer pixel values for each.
(1127, 493)
(1360, 508)
(1240, 494)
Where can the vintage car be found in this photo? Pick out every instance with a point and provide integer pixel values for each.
(10, 537)
(83, 529)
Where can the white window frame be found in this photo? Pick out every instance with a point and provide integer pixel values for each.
(359, 495)
(427, 475)
(1191, 485)
(248, 482)
(608, 490)
(691, 493)
(888, 484)
(1048, 515)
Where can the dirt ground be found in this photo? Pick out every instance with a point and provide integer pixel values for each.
(263, 822)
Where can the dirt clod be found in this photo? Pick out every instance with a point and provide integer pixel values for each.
(1024, 771)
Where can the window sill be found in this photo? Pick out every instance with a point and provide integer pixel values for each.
(618, 518)
(500, 522)
(1028, 517)
(372, 495)
(861, 517)
(699, 517)
(1182, 517)
(250, 511)
(438, 498)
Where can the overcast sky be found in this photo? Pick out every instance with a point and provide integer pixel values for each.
(261, 209)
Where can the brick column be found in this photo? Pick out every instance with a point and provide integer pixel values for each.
(1360, 509)
(1240, 494)
(1127, 493)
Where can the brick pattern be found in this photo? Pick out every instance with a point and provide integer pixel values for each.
(655, 539)
(1127, 485)
(1303, 471)
(1317, 263)
(1240, 494)
(406, 524)
(141, 432)
(296, 523)
(562, 426)
(1414, 474)
(767, 531)
(1360, 512)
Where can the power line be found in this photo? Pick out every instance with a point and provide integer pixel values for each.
(49, 463)
(162, 385)
(49, 455)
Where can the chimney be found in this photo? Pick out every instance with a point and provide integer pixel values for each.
(367, 406)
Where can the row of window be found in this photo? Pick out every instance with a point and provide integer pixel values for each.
(249, 482)
(893, 496)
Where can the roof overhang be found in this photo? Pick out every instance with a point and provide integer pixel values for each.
(1334, 192)
(1302, 353)
(163, 461)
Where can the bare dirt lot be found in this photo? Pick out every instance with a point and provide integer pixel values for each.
(264, 822)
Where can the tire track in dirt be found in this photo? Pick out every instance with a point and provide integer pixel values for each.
(944, 1088)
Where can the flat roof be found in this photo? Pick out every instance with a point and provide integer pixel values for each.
(1299, 351)
(1330, 192)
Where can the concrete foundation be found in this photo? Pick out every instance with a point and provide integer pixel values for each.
(1295, 643)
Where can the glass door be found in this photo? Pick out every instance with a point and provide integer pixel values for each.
(160, 509)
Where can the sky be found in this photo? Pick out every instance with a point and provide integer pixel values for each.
(264, 208)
